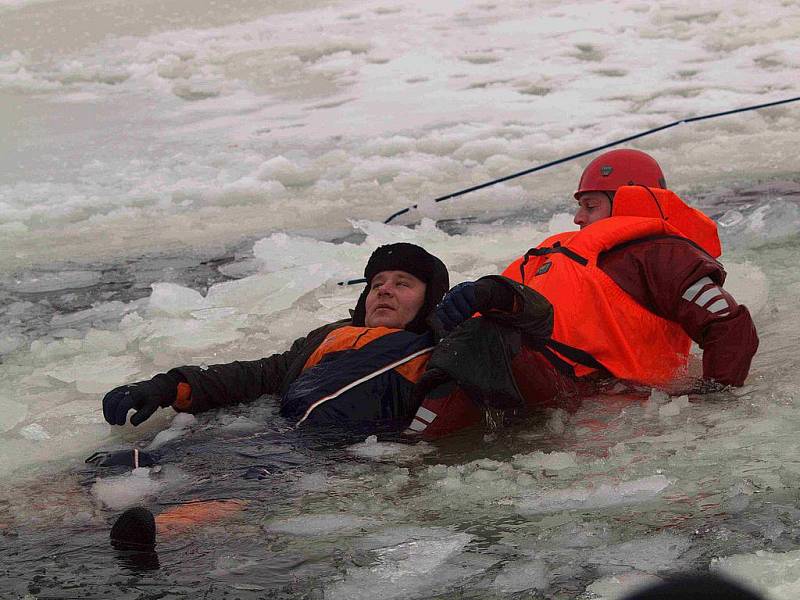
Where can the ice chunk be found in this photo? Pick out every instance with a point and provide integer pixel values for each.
(649, 554)
(390, 146)
(406, 563)
(11, 413)
(285, 171)
(372, 448)
(620, 586)
(50, 282)
(177, 428)
(426, 233)
(34, 432)
(93, 373)
(99, 340)
(281, 251)
(604, 495)
(174, 299)
(173, 335)
(320, 524)
(539, 460)
(106, 312)
(10, 342)
(674, 407)
(518, 577)
(267, 293)
(78, 411)
(127, 490)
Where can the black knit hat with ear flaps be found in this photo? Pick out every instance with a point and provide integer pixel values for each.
(411, 259)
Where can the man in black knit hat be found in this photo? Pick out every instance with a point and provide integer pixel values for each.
(357, 372)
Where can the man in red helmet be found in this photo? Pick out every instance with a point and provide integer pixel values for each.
(630, 292)
(607, 173)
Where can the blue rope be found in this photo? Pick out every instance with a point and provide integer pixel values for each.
(559, 161)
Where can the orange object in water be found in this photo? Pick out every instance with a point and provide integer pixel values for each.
(641, 201)
(183, 399)
(178, 519)
(354, 338)
(592, 313)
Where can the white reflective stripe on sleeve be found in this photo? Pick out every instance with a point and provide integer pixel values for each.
(425, 414)
(695, 288)
(708, 296)
(417, 425)
(719, 306)
(353, 384)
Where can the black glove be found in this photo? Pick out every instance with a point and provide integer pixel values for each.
(144, 397)
(467, 298)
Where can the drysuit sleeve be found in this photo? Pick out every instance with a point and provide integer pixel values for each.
(676, 280)
(244, 381)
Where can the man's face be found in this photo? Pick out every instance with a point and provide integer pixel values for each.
(394, 299)
(592, 206)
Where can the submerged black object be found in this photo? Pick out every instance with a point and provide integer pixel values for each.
(145, 397)
(135, 529)
(695, 587)
(134, 458)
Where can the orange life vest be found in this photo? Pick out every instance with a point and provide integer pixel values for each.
(355, 338)
(591, 312)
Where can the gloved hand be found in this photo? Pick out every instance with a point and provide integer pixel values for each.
(458, 305)
(144, 397)
(467, 298)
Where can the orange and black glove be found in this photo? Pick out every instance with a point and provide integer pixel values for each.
(145, 397)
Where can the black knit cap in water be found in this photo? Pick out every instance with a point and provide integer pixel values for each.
(135, 529)
(411, 259)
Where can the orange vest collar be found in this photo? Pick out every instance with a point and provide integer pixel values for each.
(641, 201)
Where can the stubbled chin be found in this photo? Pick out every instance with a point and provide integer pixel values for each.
(385, 318)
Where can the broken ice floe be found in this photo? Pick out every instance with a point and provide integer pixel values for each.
(601, 496)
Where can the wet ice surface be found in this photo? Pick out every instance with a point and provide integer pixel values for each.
(171, 181)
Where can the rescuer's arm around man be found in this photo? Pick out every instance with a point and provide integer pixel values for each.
(674, 279)
(499, 298)
(670, 277)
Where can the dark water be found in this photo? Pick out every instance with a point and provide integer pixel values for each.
(60, 553)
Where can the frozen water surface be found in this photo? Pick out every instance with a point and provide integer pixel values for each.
(187, 182)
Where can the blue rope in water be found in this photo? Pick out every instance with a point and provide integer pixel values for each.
(559, 161)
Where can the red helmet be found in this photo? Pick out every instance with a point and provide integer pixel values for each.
(616, 168)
